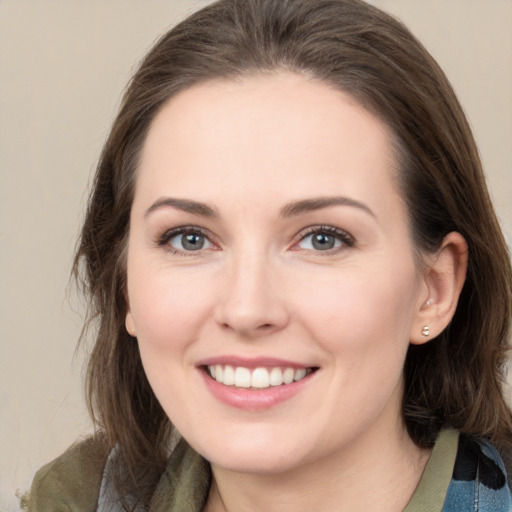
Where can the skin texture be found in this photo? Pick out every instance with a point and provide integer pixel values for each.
(259, 288)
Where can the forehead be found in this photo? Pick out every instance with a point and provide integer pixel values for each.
(281, 133)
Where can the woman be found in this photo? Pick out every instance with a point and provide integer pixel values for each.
(302, 292)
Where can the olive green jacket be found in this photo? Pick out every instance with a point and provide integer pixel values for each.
(78, 481)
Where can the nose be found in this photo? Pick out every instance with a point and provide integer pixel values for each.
(252, 303)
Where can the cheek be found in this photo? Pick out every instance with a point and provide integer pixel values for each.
(167, 309)
(360, 309)
(168, 313)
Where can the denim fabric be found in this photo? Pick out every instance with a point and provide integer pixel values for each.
(479, 480)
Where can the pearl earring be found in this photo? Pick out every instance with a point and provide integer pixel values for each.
(425, 330)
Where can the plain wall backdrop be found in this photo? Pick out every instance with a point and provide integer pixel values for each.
(63, 66)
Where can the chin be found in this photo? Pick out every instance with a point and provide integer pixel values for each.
(255, 462)
(251, 454)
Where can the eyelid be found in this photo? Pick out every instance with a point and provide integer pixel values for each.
(169, 234)
(347, 240)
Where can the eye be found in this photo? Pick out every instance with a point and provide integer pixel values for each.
(185, 240)
(324, 238)
(189, 242)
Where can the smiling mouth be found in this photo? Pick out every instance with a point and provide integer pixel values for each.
(257, 378)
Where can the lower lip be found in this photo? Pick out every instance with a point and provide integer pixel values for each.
(254, 399)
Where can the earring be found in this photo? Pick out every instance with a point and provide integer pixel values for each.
(425, 330)
(429, 302)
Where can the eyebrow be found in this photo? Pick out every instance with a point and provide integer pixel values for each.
(186, 205)
(290, 210)
(317, 203)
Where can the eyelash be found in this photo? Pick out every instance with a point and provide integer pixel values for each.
(345, 238)
(342, 236)
(164, 239)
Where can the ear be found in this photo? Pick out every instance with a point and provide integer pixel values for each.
(129, 322)
(444, 276)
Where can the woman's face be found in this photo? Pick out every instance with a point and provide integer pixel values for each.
(269, 247)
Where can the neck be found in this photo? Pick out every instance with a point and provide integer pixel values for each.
(354, 479)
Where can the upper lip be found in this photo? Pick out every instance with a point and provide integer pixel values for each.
(252, 362)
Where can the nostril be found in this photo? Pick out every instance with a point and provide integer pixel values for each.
(262, 327)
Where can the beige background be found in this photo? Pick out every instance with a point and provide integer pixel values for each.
(63, 65)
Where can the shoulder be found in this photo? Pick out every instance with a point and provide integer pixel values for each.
(72, 481)
(479, 476)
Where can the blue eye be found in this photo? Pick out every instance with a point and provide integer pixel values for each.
(325, 239)
(186, 240)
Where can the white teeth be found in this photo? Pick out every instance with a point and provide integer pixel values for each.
(288, 375)
(276, 377)
(300, 373)
(242, 377)
(229, 376)
(260, 378)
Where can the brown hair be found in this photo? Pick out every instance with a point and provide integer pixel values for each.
(455, 379)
